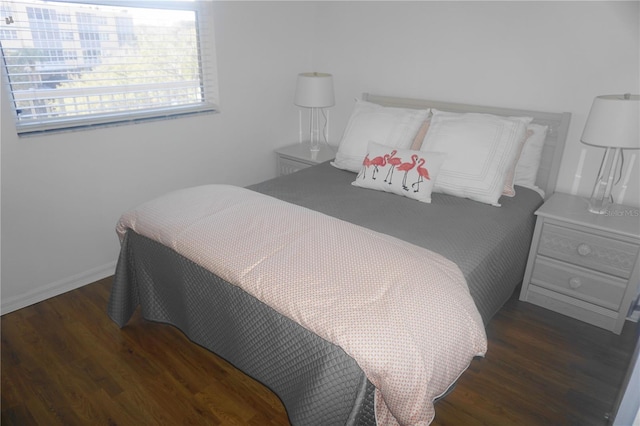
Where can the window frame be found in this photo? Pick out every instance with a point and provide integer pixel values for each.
(208, 78)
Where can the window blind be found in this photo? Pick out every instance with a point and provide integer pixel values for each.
(77, 64)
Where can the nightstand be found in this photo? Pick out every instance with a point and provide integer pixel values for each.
(296, 157)
(584, 265)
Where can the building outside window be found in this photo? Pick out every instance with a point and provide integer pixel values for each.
(77, 64)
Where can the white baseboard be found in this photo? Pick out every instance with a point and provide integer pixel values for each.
(56, 288)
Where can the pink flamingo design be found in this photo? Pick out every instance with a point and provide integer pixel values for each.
(366, 163)
(405, 167)
(423, 174)
(379, 161)
(394, 161)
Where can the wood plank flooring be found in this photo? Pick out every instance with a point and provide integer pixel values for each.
(65, 363)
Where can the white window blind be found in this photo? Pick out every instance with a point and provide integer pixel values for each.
(73, 64)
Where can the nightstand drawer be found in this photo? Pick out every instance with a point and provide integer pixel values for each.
(579, 283)
(589, 250)
(299, 156)
(288, 166)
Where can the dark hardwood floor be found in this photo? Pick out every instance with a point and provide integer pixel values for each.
(65, 363)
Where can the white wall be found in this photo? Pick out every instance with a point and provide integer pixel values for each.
(550, 56)
(62, 194)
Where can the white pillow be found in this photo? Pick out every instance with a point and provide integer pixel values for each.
(394, 127)
(527, 167)
(400, 171)
(480, 149)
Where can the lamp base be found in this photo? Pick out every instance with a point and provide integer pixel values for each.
(599, 206)
(316, 135)
(601, 199)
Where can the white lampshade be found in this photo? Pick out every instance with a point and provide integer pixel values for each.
(314, 90)
(614, 121)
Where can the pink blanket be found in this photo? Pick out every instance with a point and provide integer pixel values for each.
(402, 312)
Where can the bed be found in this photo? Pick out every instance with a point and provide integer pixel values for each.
(299, 348)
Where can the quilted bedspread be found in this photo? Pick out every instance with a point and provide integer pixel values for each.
(402, 312)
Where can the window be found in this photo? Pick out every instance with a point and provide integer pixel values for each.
(5, 33)
(73, 64)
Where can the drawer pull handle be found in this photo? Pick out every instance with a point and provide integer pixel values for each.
(584, 249)
(575, 282)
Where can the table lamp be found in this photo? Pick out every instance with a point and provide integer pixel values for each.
(315, 91)
(613, 123)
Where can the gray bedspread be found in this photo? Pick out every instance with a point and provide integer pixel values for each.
(489, 244)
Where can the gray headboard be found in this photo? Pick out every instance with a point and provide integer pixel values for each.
(554, 144)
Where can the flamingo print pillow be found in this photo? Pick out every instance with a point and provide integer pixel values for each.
(400, 171)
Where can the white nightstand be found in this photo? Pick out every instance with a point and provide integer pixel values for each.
(296, 157)
(584, 265)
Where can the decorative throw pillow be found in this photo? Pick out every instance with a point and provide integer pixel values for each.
(401, 171)
(480, 149)
(526, 171)
(422, 132)
(395, 127)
